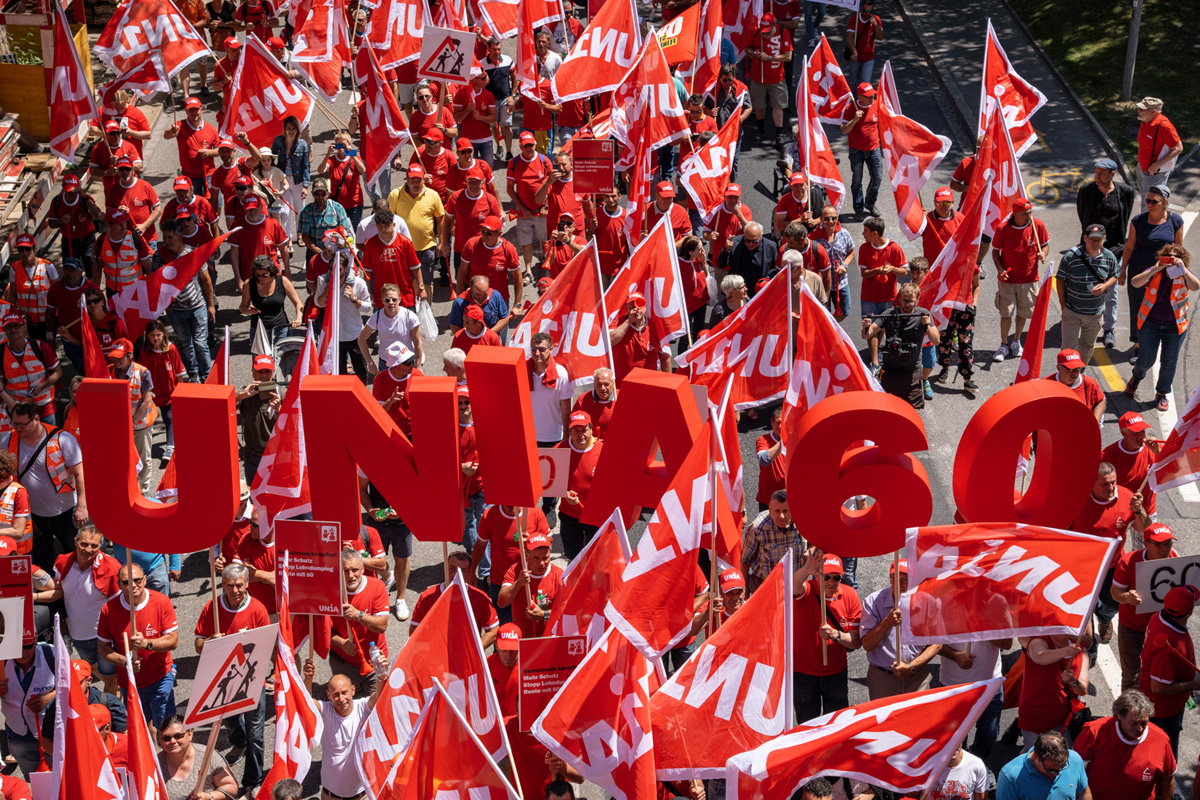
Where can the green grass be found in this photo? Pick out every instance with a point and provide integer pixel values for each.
(1087, 42)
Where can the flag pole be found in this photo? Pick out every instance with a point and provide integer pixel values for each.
(132, 612)
(824, 619)
(210, 746)
(714, 587)
(896, 594)
(212, 577)
(522, 524)
(320, 104)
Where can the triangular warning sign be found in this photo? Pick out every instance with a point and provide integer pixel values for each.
(229, 693)
(447, 60)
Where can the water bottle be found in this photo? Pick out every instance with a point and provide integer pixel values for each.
(383, 513)
(542, 601)
(379, 667)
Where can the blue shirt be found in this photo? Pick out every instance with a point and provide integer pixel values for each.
(147, 561)
(494, 310)
(1020, 780)
(728, 52)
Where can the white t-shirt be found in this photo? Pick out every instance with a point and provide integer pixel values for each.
(985, 666)
(367, 229)
(547, 413)
(961, 782)
(350, 321)
(83, 600)
(399, 328)
(338, 773)
(43, 499)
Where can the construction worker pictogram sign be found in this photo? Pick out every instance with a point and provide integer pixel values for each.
(446, 55)
(231, 674)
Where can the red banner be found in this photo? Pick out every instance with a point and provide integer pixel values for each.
(996, 161)
(701, 74)
(85, 768)
(546, 663)
(1015, 97)
(816, 156)
(142, 27)
(572, 312)
(741, 23)
(734, 693)
(594, 165)
(752, 344)
(680, 37)
(981, 581)
(144, 81)
(827, 86)
(141, 767)
(646, 110)
(653, 270)
(321, 47)
(912, 152)
(383, 127)
(1178, 461)
(314, 552)
(396, 30)
(705, 173)
(602, 55)
(147, 298)
(16, 581)
(262, 96)
(901, 743)
(589, 581)
(949, 286)
(499, 18)
(1030, 367)
(71, 100)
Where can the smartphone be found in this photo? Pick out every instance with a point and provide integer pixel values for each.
(352, 152)
(1166, 261)
(266, 387)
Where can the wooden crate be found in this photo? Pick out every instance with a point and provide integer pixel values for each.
(23, 87)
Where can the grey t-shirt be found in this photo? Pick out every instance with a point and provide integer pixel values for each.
(182, 789)
(43, 499)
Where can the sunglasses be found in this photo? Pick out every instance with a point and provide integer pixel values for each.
(95, 301)
(136, 581)
(391, 299)
(1154, 202)
(241, 188)
(829, 219)
(835, 578)
(172, 737)
(24, 249)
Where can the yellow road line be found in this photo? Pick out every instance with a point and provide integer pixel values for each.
(1108, 371)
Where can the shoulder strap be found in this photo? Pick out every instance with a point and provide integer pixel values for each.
(50, 432)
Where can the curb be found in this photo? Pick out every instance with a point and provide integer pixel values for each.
(957, 101)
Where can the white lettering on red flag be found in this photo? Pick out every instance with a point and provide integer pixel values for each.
(147, 297)
(321, 47)
(646, 110)
(84, 767)
(827, 85)
(262, 96)
(653, 270)
(588, 583)
(980, 581)
(602, 55)
(396, 30)
(71, 100)
(949, 286)
(141, 27)
(740, 19)
(996, 161)
(705, 173)
(384, 129)
(1002, 88)
(816, 156)
(701, 74)
(144, 81)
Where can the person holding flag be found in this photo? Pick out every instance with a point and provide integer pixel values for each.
(194, 309)
(30, 285)
(26, 688)
(822, 637)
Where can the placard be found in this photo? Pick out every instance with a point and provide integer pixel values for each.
(545, 664)
(231, 674)
(594, 166)
(1155, 578)
(446, 55)
(16, 604)
(555, 463)
(314, 558)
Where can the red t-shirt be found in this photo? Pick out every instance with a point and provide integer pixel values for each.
(792, 207)
(1123, 768)
(494, 262)
(205, 215)
(601, 413)
(64, 301)
(777, 43)
(465, 341)
(694, 276)
(696, 127)
(1110, 520)
(633, 351)
(224, 70)
(549, 583)
(190, 142)
(140, 199)
(563, 199)
(78, 222)
(370, 598)
(437, 168)
(611, 242)
(13, 788)
(500, 530)
(1156, 138)
(526, 177)
(559, 254)
(535, 118)
(391, 263)
(155, 618)
(1132, 469)
(880, 288)
(345, 182)
(262, 238)
(469, 213)
(1018, 252)
(253, 553)
(457, 179)
(815, 259)
(166, 370)
(574, 113)
(471, 128)
(383, 388)
(421, 123)
(773, 476)
(865, 135)
(681, 224)
(581, 469)
(1045, 703)
(727, 226)
(507, 681)
(257, 15)
(937, 234)
(1162, 664)
(864, 35)
(252, 615)
(481, 607)
(1086, 389)
(843, 611)
(223, 177)
(102, 157)
(1125, 578)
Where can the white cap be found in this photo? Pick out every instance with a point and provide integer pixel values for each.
(397, 354)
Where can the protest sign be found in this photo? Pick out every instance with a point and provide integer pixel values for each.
(594, 167)
(230, 676)
(555, 464)
(545, 664)
(1155, 578)
(314, 565)
(16, 605)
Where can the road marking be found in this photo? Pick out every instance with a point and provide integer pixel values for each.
(1042, 140)
(1108, 371)
(1188, 218)
(1110, 668)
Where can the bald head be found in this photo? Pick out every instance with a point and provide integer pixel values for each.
(340, 690)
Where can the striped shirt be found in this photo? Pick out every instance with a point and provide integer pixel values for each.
(1079, 273)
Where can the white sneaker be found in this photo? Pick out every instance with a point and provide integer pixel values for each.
(391, 584)
(1002, 352)
(1015, 348)
(400, 610)
(168, 451)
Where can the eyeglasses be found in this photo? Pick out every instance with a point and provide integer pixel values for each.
(1154, 202)
(466, 152)
(95, 301)
(172, 737)
(262, 274)
(829, 219)
(541, 349)
(423, 97)
(16, 424)
(486, 232)
(1052, 771)
(753, 242)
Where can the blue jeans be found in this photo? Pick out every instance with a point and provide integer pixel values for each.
(859, 72)
(1171, 726)
(355, 214)
(987, 729)
(472, 513)
(673, 660)
(25, 751)
(814, 13)
(158, 699)
(485, 151)
(850, 572)
(74, 355)
(158, 579)
(871, 309)
(191, 326)
(666, 163)
(874, 162)
(165, 413)
(1150, 336)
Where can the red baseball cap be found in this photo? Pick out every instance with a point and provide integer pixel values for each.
(476, 173)
(416, 171)
(80, 667)
(226, 144)
(25, 240)
(112, 126)
(509, 637)
(181, 183)
(252, 201)
(463, 144)
(70, 181)
(1180, 600)
(797, 177)
(101, 716)
(733, 190)
(536, 540)
(192, 102)
(184, 212)
(731, 579)
(903, 567)
(474, 312)
(1132, 421)
(566, 216)
(263, 361)
(463, 391)
(232, 43)
(434, 135)
(637, 298)
(544, 283)
(665, 189)
(1159, 532)
(580, 419)
(1022, 204)
(943, 194)
(493, 223)
(866, 89)
(121, 348)
(276, 43)
(766, 21)
(16, 318)
(124, 161)
(7, 548)
(115, 215)
(1070, 359)
(832, 565)
(243, 180)
(527, 138)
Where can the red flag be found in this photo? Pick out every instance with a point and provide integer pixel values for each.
(147, 297)
(321, 630)
(280, 489)
(144, 81)
(826, 364)
(500, 18)
(95, 365)
(219, 374)
(734, 693)
(728, 467)
(680, 37)
(451, 15)
(653, 270)
(1004, 172)
(384, 130)
(262, 96)
(701, 74)
(445, 759)
(298, 724)
(588, 583)
(646, 111)
(396, 30)
(653, 606)
(446, 647)
(71, 100)
(1002, 87)
(705, 173)
(1030, 367)
(827, 86)
(84, 770)
(901, 743)
(143, 780)
(752, 344)
(533, 15)
(602, 55)
(980, 581)
(599, 722)
(1178, 461)
(142, 27)
(572, 310)
(949, 284)
(741, 23)
(912, 152)
(321, 47)
(816, 156)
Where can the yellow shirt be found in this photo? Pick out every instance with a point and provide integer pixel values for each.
(422, 213)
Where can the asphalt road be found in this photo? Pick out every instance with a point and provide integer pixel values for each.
(924, 99)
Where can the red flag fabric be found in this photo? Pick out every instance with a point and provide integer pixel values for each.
(653, 270)
(83, 767)
(533, 14)
(646, 110)
(1030, 367)
(827, 86)
(142, 27)
(95, 365)
(383, 127)
(826, 364)
(980, 581)
(71, 100)
(912, 152)
(901, 743)
(396, 31)
(728, 467)
(588, 583)
(752, 344)
(445, 759)
(298, 723)
(450, 14)
(705, 173)
(321, 47)
(701, 74)
(599, 722)
(262, 95)
(949, 285)
(734, 693)
(653, 606)
(147, 297)
(816, 156)
(572, 311)
(1003, 88)
(219, 374)
(1178, 460)
(281, 489)
(321, 630)
(680, 37)
(446, 647)
(741, 23)
(144, 81)
(602, 55)
(500, 18)
(143, 779)
(1007, 185)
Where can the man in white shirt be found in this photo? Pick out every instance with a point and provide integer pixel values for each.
(341, 716)
(354, 297)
